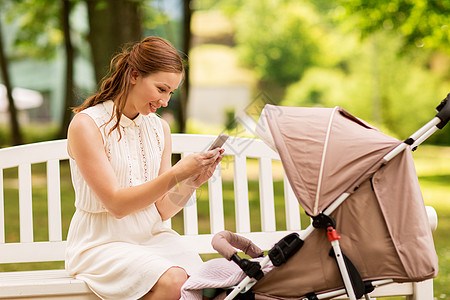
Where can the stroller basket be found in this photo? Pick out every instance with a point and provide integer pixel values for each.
(358, 185)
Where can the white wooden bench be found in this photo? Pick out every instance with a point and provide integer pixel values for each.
(56, 284)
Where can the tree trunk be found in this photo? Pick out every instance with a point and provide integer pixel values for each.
(182, 111)
(16, 136)
(112, 24)
(69, 87)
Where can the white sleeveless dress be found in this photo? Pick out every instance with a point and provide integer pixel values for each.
(124, 258)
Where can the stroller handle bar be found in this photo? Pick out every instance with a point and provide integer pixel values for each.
(443, 112)
(438, 122)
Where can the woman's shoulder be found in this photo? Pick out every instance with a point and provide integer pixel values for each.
(81, 122)
(98, 113)
(96, 110)
(82, 128)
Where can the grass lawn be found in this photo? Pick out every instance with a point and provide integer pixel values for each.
(433, 167)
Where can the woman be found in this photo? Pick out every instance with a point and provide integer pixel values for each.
(125, 185)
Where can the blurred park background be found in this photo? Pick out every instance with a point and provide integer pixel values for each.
(387, 62)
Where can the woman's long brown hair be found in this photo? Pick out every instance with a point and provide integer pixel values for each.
(151, 55)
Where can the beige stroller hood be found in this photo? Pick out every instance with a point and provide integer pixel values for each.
(384, 227)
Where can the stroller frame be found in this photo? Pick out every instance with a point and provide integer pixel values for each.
(438, 122)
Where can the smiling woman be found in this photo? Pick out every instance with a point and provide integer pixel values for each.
(125, 186)
(149, 93)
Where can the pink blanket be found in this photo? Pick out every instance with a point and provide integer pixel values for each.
(215, 273)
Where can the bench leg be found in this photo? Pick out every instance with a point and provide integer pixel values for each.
(422, 290)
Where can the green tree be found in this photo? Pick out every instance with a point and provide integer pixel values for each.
(112, 24)
(41, 31)
(406, 89)
(70, 55)
(15, 127)
(421, 23)
(187, 44)
(278, 39)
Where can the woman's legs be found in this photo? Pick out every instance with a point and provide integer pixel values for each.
(168, 285)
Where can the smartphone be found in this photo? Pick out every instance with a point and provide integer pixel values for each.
(220, 140)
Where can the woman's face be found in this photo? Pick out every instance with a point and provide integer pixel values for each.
(149, 93)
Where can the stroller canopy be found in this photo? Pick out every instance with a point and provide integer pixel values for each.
(384, 226)
(325, 151)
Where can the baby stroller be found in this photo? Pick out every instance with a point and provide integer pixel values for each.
(361, 190)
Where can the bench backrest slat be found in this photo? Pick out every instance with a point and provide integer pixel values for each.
(190, 221)
(190, 216)
(242, 211)
(216, 202)
(292, 207)
(266, 195)
(25, 203)
(54, 200)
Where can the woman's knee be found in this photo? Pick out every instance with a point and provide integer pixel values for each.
(174, 277)
(170, 283)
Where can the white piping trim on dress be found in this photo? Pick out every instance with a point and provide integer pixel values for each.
(322, 163)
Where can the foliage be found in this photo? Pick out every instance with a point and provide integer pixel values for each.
(278, 39)
(422, 23)
(395, 92)
(38, 30)
(313, 50)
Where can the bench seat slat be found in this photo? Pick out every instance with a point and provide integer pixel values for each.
(46, 283)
